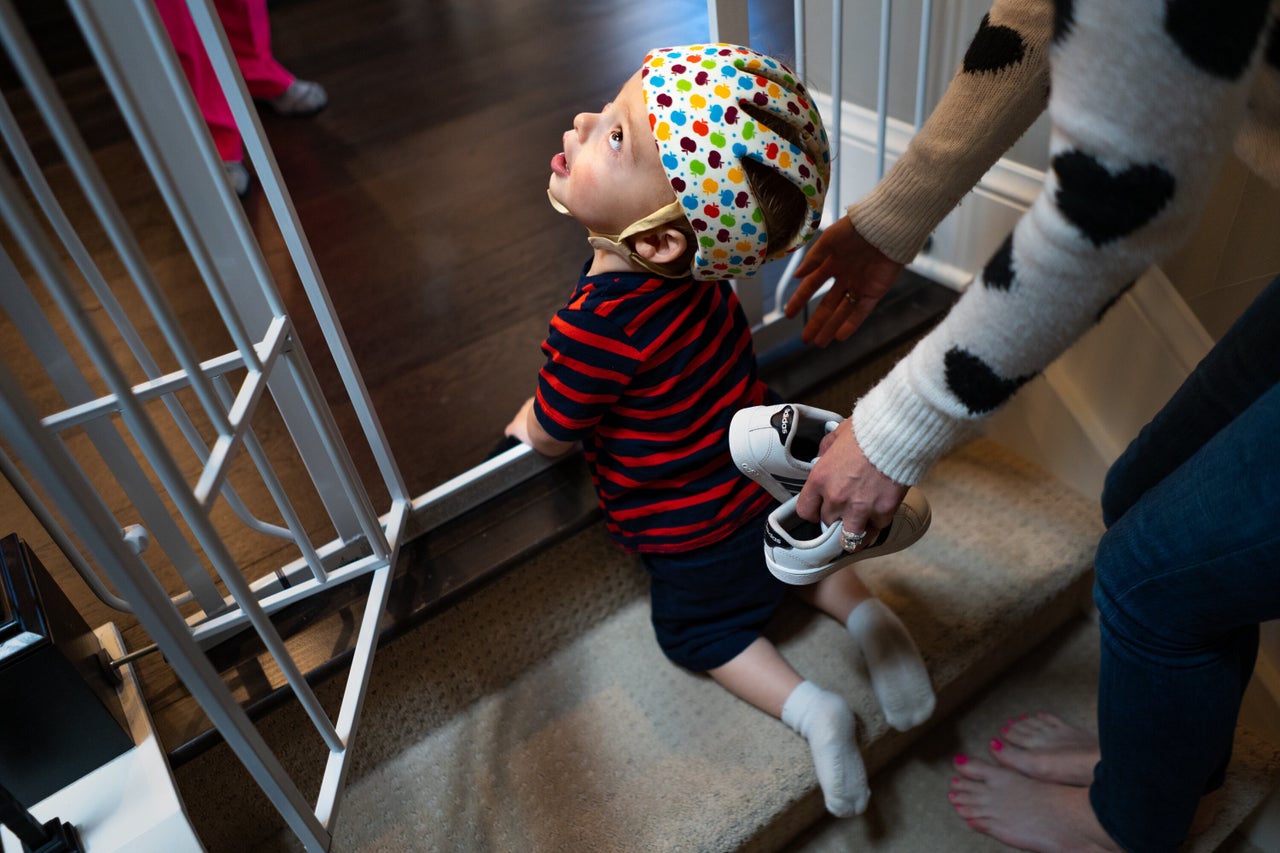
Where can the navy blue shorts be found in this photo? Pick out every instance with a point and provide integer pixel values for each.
(710, 604)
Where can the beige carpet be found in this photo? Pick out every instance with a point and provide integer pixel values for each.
(540, 715)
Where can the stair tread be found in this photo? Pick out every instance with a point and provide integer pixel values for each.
(495, 734)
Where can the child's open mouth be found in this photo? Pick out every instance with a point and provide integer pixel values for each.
(560, 165)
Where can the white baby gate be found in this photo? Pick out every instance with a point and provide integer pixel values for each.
(729, 22)
(134, 56)
(112, 393)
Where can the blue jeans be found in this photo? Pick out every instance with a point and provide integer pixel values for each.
(1188, 568)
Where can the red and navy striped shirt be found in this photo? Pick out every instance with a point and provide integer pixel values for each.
(647, 372)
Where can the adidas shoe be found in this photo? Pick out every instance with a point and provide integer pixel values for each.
(777, 445)
(800, 552)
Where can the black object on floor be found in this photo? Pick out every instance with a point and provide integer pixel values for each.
(61, 718)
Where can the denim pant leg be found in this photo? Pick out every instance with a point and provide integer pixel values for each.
(1244, 364)
(1184, 576)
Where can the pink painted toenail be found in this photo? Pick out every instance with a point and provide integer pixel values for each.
(955, 780)
(996, 745)
(952, 794)
(1004, 730)
(962, 759)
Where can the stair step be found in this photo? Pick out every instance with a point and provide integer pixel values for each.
(910, 812)
(540, 714)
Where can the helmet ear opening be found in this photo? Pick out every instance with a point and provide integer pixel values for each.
(783, 205)
(784, 128)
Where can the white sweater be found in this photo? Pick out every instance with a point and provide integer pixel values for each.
(1144, 111)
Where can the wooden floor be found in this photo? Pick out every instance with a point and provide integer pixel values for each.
(422, 191)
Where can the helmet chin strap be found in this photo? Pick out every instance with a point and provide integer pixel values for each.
(617, 243)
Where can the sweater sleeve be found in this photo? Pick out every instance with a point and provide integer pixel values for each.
(1144, 106)
(1258, 142)
(1000, 89)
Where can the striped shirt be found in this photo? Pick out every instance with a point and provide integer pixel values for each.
(647, 372)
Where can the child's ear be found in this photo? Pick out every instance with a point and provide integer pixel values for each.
(662, 245)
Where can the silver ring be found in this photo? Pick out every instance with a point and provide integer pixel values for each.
(850, 298)
(851, 541)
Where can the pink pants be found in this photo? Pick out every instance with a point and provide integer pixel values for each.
(249, 33)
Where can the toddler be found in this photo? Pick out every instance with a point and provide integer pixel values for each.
(711, 161)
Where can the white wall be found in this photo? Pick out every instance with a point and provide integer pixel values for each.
(1234, 252)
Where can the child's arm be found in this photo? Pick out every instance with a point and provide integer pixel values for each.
(525, 427)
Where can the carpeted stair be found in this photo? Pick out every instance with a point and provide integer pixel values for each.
(539, 714)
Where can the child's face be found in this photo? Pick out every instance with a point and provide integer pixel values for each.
(609, 174)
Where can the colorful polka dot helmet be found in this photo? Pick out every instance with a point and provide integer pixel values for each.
(711, 106)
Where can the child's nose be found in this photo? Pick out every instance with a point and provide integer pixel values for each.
(582, 122)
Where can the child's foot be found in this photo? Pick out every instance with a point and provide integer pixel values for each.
(302, 98)
(827, 724)
(1044, 747)
(237, 176)
(1026, 813)
(898, 675)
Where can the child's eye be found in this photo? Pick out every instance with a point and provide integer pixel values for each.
(615, 140)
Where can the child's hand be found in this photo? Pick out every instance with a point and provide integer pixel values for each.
(525, 427)
(519, 426)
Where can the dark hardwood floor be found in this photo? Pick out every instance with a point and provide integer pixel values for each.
(422, 191)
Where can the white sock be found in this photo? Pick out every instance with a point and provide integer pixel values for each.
(825, 721)
(898, 676)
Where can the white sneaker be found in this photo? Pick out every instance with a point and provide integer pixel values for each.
(776, 445)
(800, 552)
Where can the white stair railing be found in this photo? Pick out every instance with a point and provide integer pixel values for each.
(729, 22)
(100, 380)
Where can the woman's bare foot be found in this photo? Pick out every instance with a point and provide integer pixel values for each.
(1026, 813)
(1206, 811)
(1044, 747)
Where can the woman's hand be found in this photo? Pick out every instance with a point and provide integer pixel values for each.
(862, 273)
(844, 486)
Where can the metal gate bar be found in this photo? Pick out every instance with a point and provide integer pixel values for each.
(729, 21)
(133, 53)
(61, 477)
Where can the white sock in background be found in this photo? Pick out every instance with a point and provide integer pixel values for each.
(898, 676)
(825, 721)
